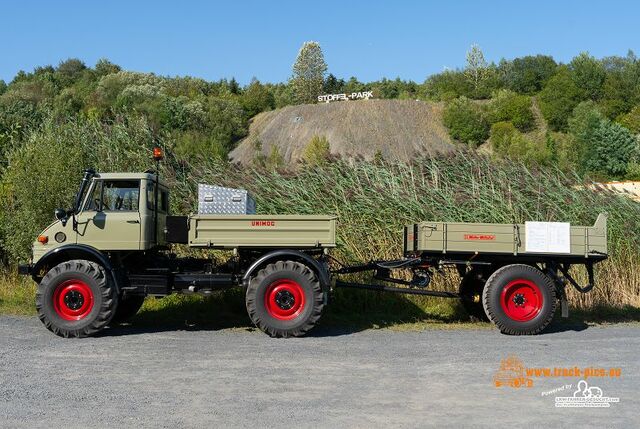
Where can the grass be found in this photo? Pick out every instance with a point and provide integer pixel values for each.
(17, 294)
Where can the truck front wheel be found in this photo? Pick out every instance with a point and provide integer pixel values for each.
(76, 299)
(519, 299)
(285, 299)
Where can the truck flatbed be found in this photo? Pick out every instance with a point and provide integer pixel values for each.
(262, 231)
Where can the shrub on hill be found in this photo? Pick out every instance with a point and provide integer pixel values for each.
(467, 121)
(509, 106)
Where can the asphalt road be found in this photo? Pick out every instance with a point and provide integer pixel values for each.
(241, 378)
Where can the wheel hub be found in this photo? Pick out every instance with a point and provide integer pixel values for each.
(519, 300)
(74, 299)
(285, 299)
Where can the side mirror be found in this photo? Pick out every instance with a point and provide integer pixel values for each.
(61, 215)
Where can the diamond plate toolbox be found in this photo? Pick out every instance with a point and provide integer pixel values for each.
(219, 200)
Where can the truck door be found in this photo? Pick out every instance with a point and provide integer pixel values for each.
(110, 219)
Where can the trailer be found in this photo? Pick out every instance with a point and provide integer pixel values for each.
(511, 274)
(96, 263)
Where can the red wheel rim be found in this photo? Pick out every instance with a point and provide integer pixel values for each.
(521, 300)
(73, 300)
(284, 299)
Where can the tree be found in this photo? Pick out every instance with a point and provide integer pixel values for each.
(317, 151)
(612, 148)
(105, 67)
(69, 71)
(234, 86)
(558, 99)
(308, 73)
(226, 122)
(621, 89)
(3, 86)
(467, 122)
(589, 75)
(447, 86)
(527, 75)
(476, 70)
(257, 98)
(275, 160)
(582, 125)
(333, 85)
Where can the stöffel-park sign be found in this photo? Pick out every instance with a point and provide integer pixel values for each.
(327, 98)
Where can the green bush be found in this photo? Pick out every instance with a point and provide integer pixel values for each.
(501, 135)
(467, 121)
(509, 106)
(507, 141)
(317, 151)
(631, 120)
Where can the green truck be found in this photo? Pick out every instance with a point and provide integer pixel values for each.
(96, 263)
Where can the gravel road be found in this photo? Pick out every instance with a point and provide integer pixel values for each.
(239, 378)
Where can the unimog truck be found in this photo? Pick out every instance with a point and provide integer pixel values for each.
(96, 263)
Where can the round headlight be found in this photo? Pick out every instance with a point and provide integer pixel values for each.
(60, 237)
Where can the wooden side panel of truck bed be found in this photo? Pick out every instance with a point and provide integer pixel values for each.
(260, 231)
(459, 237)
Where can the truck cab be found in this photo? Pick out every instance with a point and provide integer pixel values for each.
(115, 212)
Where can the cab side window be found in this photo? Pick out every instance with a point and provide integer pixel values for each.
(120, 195)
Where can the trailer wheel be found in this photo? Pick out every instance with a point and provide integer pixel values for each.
(519, 299)
(128, 306)
(285, 299)
(470, 292)
(76, 299)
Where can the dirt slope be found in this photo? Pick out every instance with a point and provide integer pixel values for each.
(398, 129)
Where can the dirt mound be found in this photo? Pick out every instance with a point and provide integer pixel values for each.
(397, 129)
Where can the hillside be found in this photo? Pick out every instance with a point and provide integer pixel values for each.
(398, 129)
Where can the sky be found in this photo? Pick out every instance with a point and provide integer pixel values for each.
(246, 39)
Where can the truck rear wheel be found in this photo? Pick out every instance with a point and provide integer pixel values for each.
(128, 306)
(285, 299)
(519, 299)
(76, 299)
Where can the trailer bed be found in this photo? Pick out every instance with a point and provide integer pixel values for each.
(531, 239)
(262, 231)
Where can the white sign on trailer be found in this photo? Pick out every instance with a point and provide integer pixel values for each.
(547, 237)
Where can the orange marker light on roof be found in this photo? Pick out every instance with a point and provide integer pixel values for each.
(157, 153)
(43, 239)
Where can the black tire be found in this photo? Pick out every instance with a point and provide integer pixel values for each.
(69, 285)
(267, 314)
(128, 306)
(470, 291)
(526, 316)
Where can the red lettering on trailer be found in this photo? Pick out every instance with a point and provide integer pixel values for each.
(263, 223)
(482, 237)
